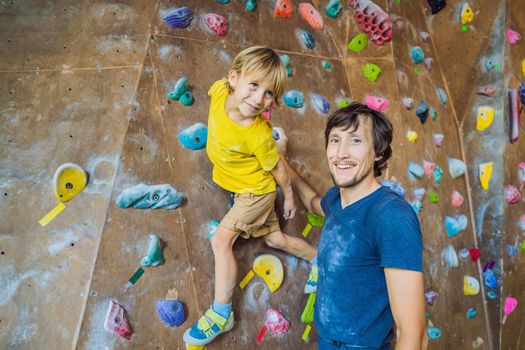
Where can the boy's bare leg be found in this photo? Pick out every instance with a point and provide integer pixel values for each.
(225, 264)
(292, 245)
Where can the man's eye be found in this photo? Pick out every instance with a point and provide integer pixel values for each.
(334, 140)
(356, 141)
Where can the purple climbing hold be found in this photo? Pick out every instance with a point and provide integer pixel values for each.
(179, 18)
(431, 297)
(424, 36)
(437, 5)
(320, 103)
(171, 312)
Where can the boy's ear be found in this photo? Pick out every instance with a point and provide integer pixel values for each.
(232, 78)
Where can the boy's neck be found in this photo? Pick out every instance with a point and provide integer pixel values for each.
(233, 113)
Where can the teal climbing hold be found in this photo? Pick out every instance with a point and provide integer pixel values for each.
(437, 174)
(434, 333)
(251, 5)
(213, 226)
(490, 64)
(358, 43)
(179, 89)
(443, 98)
(333, 8)
(472, 312)
(285, 60)
(417, 54)
(371, 71)
(155, 256)
(194, 137)
(186, 99)
(294, 99)
(326, 65)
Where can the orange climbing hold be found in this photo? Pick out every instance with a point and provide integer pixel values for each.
(283, 9)
(311, 15)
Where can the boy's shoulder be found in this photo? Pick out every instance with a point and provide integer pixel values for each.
(218, 87)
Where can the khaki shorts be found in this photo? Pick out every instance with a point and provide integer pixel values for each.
(252, 215)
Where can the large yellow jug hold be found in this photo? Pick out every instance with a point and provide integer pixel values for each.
(70, 179)
(470, 285)
(484, 118)
(269, 268)
(485, 173)
(467, 15)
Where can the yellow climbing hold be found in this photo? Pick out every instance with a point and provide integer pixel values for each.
(195, 347)
(411, 136)
(523, 66)
(269, 268)
(484, 118)
(70, 179)
(470, 285)
(467, 15)
(485, 173)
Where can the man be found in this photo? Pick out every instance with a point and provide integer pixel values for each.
(370, 253)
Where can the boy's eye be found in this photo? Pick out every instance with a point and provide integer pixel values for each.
(254, 86)
(268, 94)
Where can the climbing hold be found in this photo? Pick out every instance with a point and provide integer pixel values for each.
(417, 54)
(485, 174)
(492, 294)
(285, 60)
(418, 193)
(358, 43)
(457, 199)
(308, 313)
(293, 99)
(431, 297)
(437, 5)
(434, 333)
(415, 170)
(311, 15)
(151, 197)
(433, 197)
(512, 195)
(429, 61)
(69, 180)
(443, 98)
(186, 99)
(417, 206)
(422, 112)
(342, 103)
(514, 115)
(326, 65)
(508, 307)
(217, 23)
(484, 118)
(521, 92)
(179, 18)
(116, 321)
(398, 21)
(512, 250)
(250, 5)
(456, 167)
(283, 9)
(320, 103)
(424, 36)
(372, 20)
(433, 114)
(521, 174)
(394, 186)
(470, 285)
(467, 15)
(181, 86)
(224, 2)
(275, 322)
(490, 64)
(155, 256)
(438, 139)
(212, 228)
(308, 39)
(463, 253)
(376, 103)
(371, 71)
(429, 168)
(486, 90)
(490, 279)
(522, 223)
(314, 220)
(408, 103)
(474, 254)
(171, 312)
(455, 224)
(512, 36)
(472, 312)
(438, 173)
(489, 265)
(450, 257)
(269, 268)
(333, 8)
(194, 137)
(523, 66)
(411, 136)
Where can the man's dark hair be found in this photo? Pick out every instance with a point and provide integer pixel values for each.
(382, 130)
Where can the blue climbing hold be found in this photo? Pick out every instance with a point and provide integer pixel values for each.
(417, 54)
(308, 39)
(144, 196)
(394, 186)
(422, 112)
(455, 224)
(522, 93)
(490, 64)
(179, 18)
(490, 279)
(320, 103)
(434, 333)
(194, 137)
(415, 170)
(275, 134)
(171, 312)
(492, 294)
(213, 226)
(294, 99)
(512, 250)
(443, 98)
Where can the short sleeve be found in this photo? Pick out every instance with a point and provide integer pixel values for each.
(398, 236)
(326, 199)
(267, 154)
(217, 87)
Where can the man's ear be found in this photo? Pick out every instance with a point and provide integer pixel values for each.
(232, 78)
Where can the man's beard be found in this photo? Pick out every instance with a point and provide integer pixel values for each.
(352, 182)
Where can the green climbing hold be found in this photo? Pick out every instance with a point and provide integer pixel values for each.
(434, 115)
(433, 197)
(288, 71)
(371, 71)
(155, 256)
(343, 103)
(358, 43)
(186, 99)
(427, 315)
(315, 220)
(333, 8)
(308, 313)
(326, 65)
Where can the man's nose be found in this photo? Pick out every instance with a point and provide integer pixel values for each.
(342, 150)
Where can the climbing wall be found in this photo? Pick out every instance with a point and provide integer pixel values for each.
(88, 83)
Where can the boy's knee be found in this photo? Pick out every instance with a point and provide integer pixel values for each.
(221, 241)
(275, 240)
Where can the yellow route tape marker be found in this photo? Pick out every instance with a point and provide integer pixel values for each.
(52, 214)
(306, 332)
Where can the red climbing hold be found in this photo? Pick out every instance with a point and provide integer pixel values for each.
(372, 20)
(474, 254)
(283, 9)
(311, 15)
(217, 23)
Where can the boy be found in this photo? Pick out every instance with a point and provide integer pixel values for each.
(246, 163)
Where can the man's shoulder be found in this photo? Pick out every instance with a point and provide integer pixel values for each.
(390, 205)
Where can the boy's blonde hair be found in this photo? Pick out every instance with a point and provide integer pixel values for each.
(262, 64)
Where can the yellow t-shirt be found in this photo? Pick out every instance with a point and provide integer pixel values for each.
(242, 156)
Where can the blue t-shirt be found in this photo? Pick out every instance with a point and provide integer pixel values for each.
(357, 242)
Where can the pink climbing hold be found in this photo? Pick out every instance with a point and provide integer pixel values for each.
(512, 195)
(457, 199)
(376, 103)
(116, 321)
(429, 168)
(275, 322)
(311, 15)
(509, 307)
(512, 36)
(372, 20)
(283, 9)
(429, 61)
(424, 36)
(217, 23)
